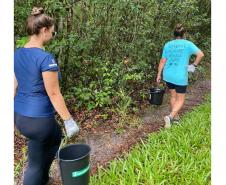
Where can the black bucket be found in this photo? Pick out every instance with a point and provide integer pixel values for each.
(74, 164)
(156, 96)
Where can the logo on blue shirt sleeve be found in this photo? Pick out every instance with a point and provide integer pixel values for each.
(53, 64)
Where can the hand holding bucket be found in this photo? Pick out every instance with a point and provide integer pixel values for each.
(71, 127)
(158, 79)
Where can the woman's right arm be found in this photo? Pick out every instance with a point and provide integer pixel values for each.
(161, 64)
(15, 85)
(51, 83)
(160, 68)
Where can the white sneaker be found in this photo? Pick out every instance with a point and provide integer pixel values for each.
(168, 121)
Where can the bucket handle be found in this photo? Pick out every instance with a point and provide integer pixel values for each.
(58, 151)
(157, 84)
(65, 139)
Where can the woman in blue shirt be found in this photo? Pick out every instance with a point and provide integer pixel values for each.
(37, 96)
(175, 66)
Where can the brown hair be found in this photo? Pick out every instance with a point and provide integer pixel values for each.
(179, 30)
(37, 20)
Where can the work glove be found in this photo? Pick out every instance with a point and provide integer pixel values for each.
(71, 127)
(191, 68)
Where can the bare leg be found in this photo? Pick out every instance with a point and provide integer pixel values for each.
(173, 96)
(180, 97)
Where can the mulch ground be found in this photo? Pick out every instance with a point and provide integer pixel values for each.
(107, 141)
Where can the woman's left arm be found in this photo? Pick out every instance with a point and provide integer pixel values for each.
(198, 58)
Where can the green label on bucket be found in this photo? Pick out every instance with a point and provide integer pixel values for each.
(81, 172)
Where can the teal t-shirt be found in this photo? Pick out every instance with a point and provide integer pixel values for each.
(177, 54)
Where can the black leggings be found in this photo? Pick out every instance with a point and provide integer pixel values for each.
(44, 137)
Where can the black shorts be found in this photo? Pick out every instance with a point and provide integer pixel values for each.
(178, 88)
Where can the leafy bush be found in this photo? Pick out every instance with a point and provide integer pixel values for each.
(104, 46)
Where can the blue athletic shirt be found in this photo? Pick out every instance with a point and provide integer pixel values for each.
(177, 53)
(31, 98)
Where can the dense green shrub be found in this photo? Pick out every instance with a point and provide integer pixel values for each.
(107, 46)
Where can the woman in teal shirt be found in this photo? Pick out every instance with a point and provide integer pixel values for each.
(175, 66)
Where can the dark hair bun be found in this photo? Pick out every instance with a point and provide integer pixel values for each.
(37, 11)
(179, 30)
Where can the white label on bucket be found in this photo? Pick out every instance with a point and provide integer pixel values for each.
(81, 172)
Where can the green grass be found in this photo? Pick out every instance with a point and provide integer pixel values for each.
(177, 156)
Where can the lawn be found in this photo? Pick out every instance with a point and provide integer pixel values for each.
(176, 156)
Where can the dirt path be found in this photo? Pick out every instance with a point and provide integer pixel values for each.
(107, 143)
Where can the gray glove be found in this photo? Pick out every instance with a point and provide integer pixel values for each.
(191, 68)
(71, 127)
